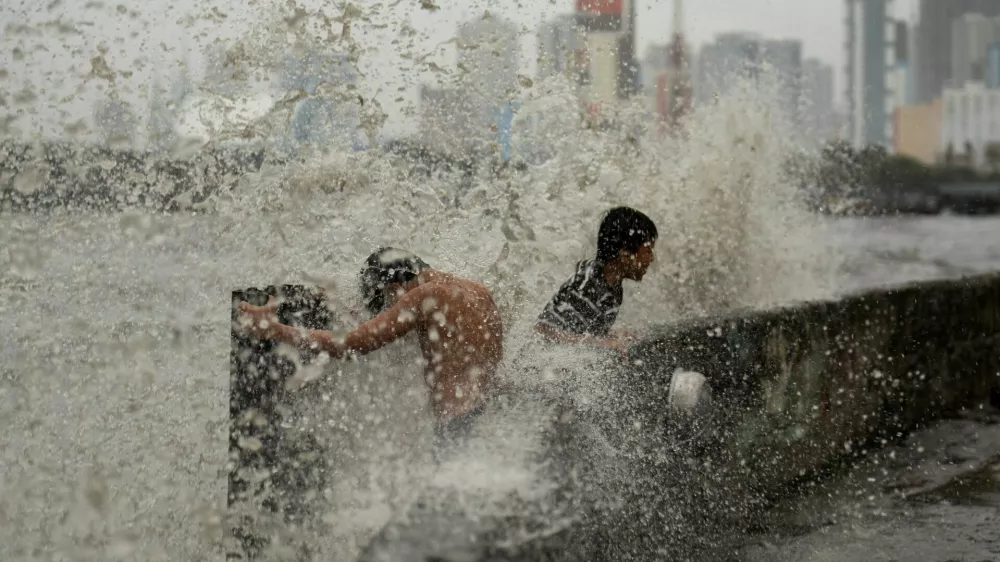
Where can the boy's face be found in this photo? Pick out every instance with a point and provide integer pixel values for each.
(638, 263)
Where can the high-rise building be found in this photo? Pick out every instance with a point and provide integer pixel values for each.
(737, 56)
(933, 41)
(783, 58)
(488, 55)
(899, 70)
(559, 42)
(993, 66)
(655, 62)
(871, 56)
(970, 123)
(676, 97)
(917, 131)
(613, 73)
(160, 126)
(730, 57)
(971, 37)
(818, 117)
(463, 118)
(629, 68)
(817, 84)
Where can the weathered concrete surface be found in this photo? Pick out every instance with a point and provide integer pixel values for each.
(47, 176)
(795, 390)
(801, 386)
(934, 496)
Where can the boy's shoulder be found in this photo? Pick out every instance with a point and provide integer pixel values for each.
(584, 270)
(452, 286)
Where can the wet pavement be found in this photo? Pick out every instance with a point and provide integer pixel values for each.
(934, 497)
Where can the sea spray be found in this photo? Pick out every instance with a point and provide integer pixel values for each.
(733, 234)
(130, 403)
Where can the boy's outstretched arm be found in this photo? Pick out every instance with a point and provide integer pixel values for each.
(391, 324)
(552, 333)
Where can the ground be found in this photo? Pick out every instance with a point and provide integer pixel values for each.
(933, 498)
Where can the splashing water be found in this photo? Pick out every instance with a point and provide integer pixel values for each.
(116, 339)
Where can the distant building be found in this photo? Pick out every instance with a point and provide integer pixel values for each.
(559, 42)
(730, 57)
(819, 118)
(737, 56)
(612, 71)
(488, 57)
(464, 117)
(917, 131)
(308, 67)
(970, 122)
(933, 41)
(817, 85)
(601, 83)
(160, 123)
(164, 102)
(784, 59)
(873, 50)
(899, 80)
(655, 61)
(897, 83)
(993, 66)
(971, 37)
(655, 74)
(115, 121)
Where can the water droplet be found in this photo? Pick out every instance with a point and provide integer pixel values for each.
(250, 443)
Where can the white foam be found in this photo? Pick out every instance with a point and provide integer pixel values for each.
(117, 358)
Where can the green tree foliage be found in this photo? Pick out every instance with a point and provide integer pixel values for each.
(843, 170)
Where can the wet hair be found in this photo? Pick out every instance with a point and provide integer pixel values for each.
(386, 266)
(623, 228)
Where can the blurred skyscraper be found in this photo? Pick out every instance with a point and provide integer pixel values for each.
(972, 35)
(488, 55)
(465, 117)
(933, 57)
(819, 118)
(869, 59)
(560, 41)
(744, 56)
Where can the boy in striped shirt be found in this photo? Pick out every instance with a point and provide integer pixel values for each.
(586, 306)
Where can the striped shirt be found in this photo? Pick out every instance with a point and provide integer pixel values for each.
(586, 304)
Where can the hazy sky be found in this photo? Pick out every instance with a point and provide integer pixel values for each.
(48, 60)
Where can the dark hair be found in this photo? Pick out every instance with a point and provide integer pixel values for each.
(623, 228)
(386, 266)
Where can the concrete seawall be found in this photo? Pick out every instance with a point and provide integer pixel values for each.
(794, 390)
(801, 386)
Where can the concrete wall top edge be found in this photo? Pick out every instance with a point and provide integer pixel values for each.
(811, 308)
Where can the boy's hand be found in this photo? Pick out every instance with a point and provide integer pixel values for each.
(619, 345)
(627, 335)
(257, 321)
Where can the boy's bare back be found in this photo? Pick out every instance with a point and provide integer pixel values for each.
(461, 337)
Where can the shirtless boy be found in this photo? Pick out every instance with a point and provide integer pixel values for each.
(456, 320)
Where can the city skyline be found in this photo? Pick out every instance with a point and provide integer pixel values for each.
(163, 32)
